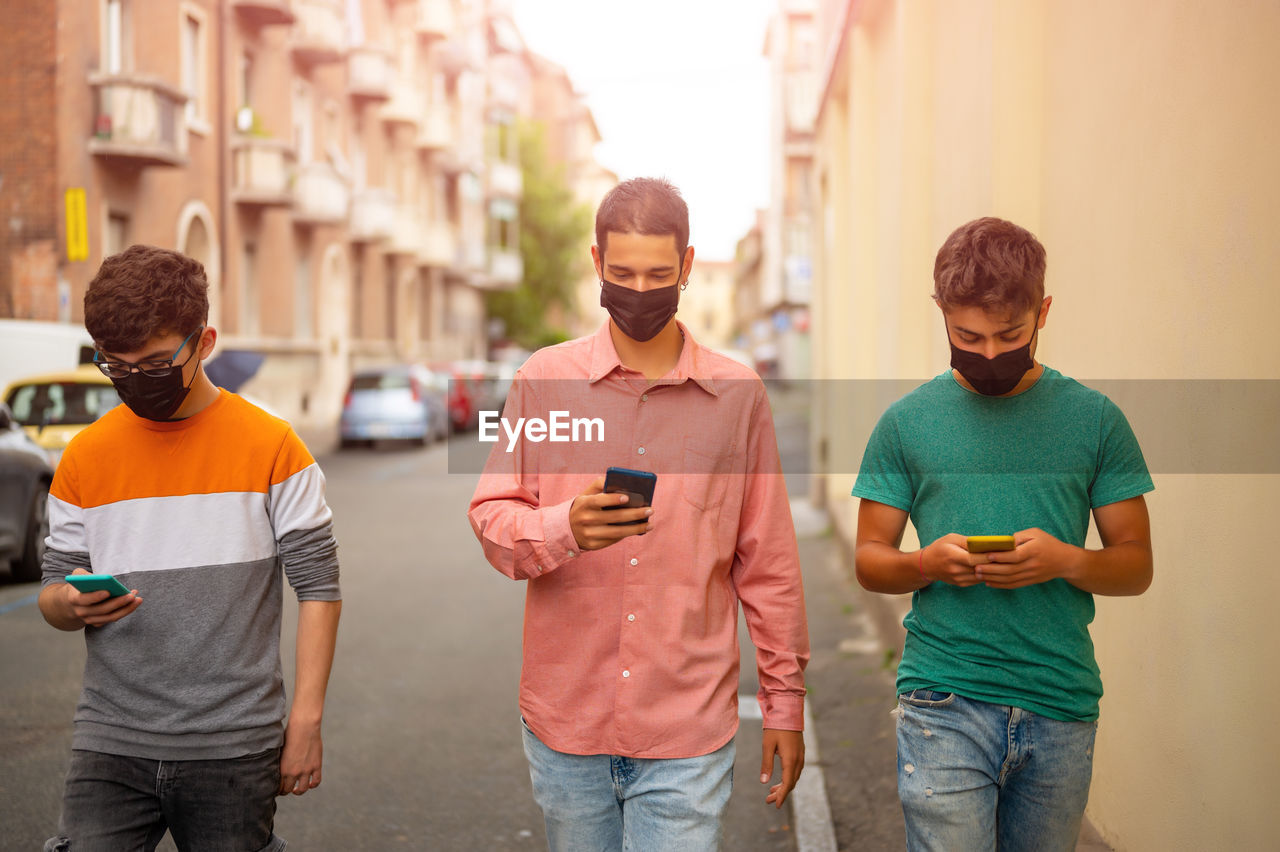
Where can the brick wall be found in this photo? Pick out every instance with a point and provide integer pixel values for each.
(29, 202)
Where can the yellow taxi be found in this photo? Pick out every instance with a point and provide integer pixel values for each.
(54, 407)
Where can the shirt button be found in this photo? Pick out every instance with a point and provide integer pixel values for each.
(640, 451)
(572, 554)
(635, 561)
(644, 397)
(626, 673)
(631, 617)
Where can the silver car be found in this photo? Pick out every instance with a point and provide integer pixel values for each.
(25, 475)
(398, 403)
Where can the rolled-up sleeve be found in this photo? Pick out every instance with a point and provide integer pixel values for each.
(520, 537)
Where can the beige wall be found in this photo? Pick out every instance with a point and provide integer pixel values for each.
(1140, 148)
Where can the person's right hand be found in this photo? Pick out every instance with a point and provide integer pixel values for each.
(98, 608)
(591, 523)
(948, 560)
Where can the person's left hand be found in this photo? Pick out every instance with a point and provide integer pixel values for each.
(301, 758)
(1036, 558)
(789, 747)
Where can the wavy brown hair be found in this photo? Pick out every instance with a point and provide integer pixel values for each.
(648, 206)
(991, 264)
(145, 292)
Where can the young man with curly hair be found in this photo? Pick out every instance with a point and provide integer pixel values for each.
(195, 499)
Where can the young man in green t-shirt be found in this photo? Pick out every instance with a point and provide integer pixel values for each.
(998, 685)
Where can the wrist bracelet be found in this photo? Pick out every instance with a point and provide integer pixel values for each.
(921, 564)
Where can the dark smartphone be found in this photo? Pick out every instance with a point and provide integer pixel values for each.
(636, 484)
(97, 582)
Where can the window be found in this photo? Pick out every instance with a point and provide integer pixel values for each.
(389, 299)
(116, 41)
(117, 235)
(303, 301)
(357, 292)
(303, 122)
(249, 323)
(194, 60)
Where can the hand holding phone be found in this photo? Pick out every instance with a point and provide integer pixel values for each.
(120, 600)
(589, 512)
(638, 485)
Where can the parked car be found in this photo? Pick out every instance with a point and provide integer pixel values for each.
(475, 386)
(25, 475)
(55, 407)
(398, 403)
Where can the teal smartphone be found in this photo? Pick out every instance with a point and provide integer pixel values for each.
(98, 582)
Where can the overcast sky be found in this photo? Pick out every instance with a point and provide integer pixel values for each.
(679, 89)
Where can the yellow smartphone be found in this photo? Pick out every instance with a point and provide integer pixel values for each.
(988, 543)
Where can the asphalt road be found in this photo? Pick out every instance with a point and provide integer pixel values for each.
(422, 743)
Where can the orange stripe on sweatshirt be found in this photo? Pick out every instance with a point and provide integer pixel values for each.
(225, 447)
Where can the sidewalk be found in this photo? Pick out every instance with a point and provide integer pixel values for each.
(856, 639)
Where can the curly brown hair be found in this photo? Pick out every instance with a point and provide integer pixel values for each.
(991, 264)
(145, 292)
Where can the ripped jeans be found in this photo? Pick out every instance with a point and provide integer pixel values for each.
(979, 776)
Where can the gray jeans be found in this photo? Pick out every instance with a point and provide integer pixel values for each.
(114, 803)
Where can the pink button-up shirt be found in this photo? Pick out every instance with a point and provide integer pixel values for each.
(633, 650)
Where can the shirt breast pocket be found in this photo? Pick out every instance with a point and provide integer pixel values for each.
(703, 477)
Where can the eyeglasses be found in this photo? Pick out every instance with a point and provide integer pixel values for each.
(155, 368)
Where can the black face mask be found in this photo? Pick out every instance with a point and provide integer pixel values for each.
(993, 376)
(155, 397)
(640, 315)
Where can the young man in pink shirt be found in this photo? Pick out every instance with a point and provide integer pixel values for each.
(628, 691)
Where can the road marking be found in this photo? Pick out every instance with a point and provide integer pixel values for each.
(810, 809)
(18, 604)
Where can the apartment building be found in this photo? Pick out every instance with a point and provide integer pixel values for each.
(777, 330)
(570, 132)
(346, 171)
(1140, 151)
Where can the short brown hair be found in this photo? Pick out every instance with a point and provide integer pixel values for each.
(649, 206)
(991, 264)
(145, 292)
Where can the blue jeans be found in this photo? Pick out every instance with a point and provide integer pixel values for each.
(114, 803)
(979, 776)
(601, 802)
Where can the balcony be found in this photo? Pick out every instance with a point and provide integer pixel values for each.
(369, 73)
(262, 13)
(505, 180)
(320, 195)
(262, 169)
(318, 33)
(373, 215)
(139, 121)
(435, 19)
(506, 268)
(406, 105)
(437, 130)
(440, 245)
(408, 233)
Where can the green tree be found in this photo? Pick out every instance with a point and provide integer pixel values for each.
(555, 230)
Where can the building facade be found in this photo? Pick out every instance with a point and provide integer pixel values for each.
(346, 170)
(777, 332)
(1137, 149)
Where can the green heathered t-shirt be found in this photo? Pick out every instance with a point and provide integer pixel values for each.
(960, 462)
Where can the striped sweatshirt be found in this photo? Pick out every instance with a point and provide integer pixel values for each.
(199, 515)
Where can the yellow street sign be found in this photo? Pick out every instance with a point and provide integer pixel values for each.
(77, 225)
